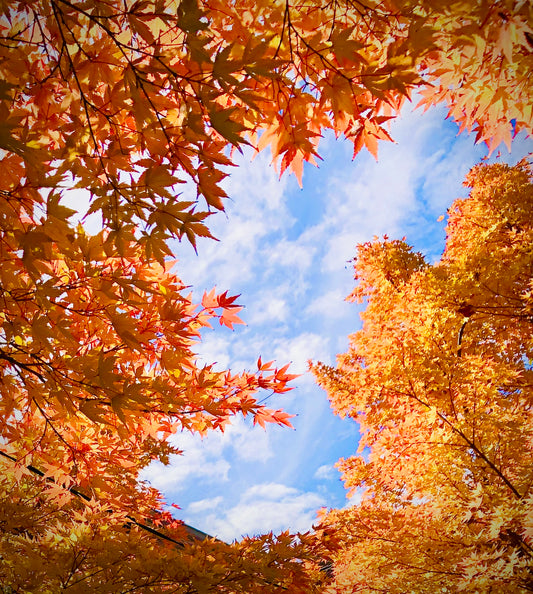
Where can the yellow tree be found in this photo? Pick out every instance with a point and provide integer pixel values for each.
(127, 100)
(440, 379)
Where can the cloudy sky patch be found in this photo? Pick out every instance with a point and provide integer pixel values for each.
(287, 252)
(270, 504)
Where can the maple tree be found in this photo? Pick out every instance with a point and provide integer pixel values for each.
(440, 380)
(128, 100)
(98, 370)
(132, 98)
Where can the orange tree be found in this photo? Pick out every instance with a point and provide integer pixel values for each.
(440, 378)
(128, 100)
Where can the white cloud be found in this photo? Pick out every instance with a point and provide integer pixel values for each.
(268, 309)
(264, 508)
(256, 187)
(249, 443)
(197, 507)
(326, 472)
(208, 460)
(414, 178)
(299, 349)
(331, 304)
(213, 349)
(296, 255)
(256, 210)
(182, 469)
(374, 203)
(201, 461)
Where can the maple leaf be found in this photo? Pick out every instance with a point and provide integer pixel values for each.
(210, 300)
(229, 317)
(226, 127)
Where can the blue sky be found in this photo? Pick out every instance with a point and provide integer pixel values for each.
(287, 252)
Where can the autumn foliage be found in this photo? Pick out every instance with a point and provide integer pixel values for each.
(98, 370)
(440, 379)
(132, 98)
(128, 101)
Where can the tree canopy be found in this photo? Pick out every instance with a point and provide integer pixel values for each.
(132, 98)
(128, 100)
(440, 380)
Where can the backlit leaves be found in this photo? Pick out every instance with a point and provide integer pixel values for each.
(130, 100)
(98, 362)
(439, 379)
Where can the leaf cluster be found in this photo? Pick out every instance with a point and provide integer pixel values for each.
(440, 381)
